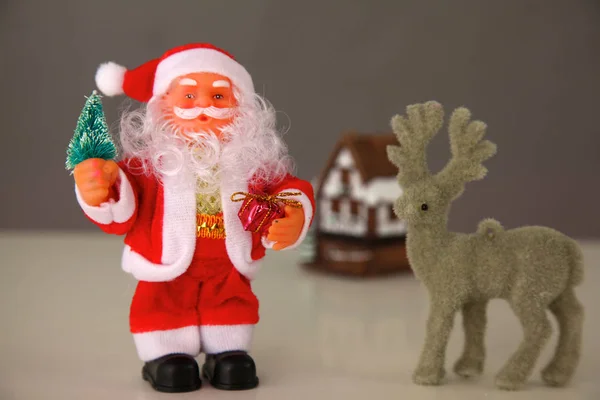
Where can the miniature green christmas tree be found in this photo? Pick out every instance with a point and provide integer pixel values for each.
(91, 138)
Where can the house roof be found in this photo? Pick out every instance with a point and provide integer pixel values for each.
(369, 152)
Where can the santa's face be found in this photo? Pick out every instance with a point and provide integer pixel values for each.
(200, 102)
(204, 126)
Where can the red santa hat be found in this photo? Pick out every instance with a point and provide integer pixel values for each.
(154, 77)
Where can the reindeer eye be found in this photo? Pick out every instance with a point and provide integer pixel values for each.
(424, 207)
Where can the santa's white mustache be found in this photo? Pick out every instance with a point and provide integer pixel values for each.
(213, 112)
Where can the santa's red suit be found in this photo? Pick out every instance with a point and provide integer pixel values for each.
(194, 293)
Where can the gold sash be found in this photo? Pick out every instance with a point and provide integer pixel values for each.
(210, 226)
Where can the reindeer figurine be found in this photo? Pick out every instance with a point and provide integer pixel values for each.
(533, 268)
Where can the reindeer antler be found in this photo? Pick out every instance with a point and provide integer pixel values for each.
(414, 134)
(468, 152)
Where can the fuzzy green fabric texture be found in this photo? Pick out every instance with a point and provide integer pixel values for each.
(533, 268)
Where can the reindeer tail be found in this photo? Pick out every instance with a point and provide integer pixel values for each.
(489, 228)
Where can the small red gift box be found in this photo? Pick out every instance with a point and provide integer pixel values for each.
(259, 210)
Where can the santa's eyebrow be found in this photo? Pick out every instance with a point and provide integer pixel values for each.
(221, 84)
(188, 82)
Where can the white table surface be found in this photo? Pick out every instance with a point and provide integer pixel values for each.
(64, 304)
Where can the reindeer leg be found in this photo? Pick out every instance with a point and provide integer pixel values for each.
(531, 311)
(569, 314)
(470, 364)
(430, 370)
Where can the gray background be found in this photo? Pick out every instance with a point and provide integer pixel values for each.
(530, 69)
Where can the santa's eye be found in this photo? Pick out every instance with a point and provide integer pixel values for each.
(218, 96)
(189, 96)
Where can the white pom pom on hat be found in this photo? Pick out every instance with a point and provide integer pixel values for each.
(110, 77)
(154, 77)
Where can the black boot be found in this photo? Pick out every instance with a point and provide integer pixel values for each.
(173, 373)
(232, 370)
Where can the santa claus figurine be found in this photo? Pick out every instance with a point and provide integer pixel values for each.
(202, 135)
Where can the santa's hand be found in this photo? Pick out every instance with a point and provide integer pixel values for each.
(94, 178)
(286, 231)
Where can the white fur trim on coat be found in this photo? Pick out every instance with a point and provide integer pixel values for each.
(152, 345)
(110, 77)
(178, 237)
(237, 240)
(111, 211)
(308, 215)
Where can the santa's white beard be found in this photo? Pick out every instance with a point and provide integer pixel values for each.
(249, 150)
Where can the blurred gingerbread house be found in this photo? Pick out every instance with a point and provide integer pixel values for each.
(356, 231)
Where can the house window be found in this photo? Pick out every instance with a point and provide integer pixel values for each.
(335, 205)
(354, 207)
(391, 214)
(345, 182)
(345, 176)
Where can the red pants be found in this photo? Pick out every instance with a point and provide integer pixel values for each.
(210, 292)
